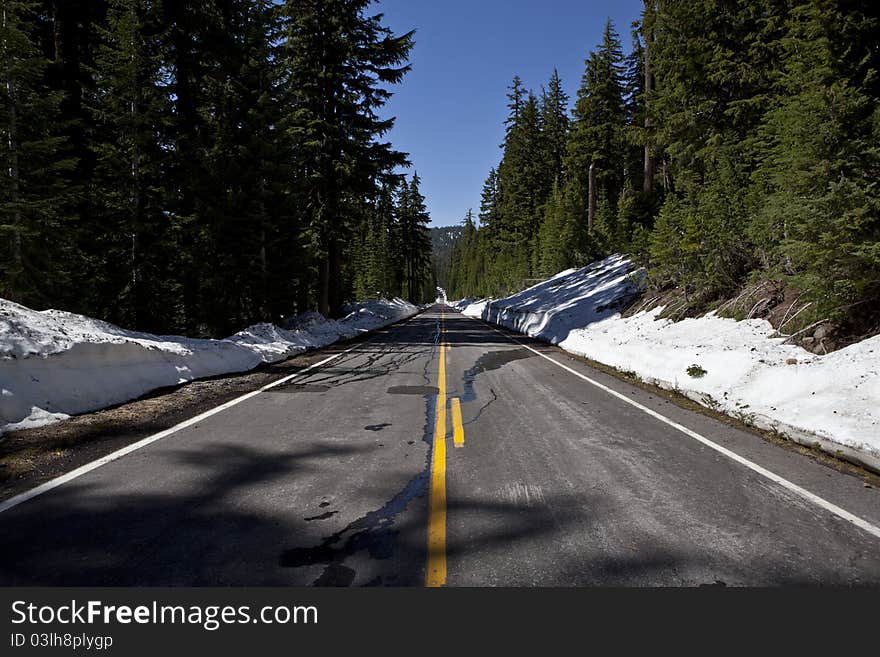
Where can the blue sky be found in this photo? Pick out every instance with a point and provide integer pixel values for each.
(450, 108)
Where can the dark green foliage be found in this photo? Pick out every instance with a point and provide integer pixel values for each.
(443, 241)
(819, 220)
(555, 125)
(533, 213)
(177, 166)
(338, 60)
(750, 150)
(713, 65)
(466, 265)
(512, 205)
(556, 237)
(131, 243)
(376, 256)
(415, 241)
(600, 118)
(35, 222)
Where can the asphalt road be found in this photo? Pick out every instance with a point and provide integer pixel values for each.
(345, 476)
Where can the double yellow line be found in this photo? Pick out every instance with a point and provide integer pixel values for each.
(435, 574)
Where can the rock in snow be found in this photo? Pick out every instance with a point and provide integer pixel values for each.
(54, 364)
(831, 400)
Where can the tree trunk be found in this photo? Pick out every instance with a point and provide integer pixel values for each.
(11, 291)
(140, 313)
(591, 203)
(335, 282)
(186, 160)
(324, 287)
(649, 83)
(263, 308)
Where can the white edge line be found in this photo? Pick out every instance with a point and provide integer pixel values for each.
(842, 513)
(104, 460)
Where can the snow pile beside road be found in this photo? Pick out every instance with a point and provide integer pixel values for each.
(832, 400)
(376, 313)
(311, 330)
(54, 363)
(475, 309)
(571, 299)
(471, 306)
(461, 304)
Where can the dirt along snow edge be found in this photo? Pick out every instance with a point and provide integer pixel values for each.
(54, 364)
(734, 367)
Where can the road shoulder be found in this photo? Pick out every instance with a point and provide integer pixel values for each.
(31, 457)
(842, 483)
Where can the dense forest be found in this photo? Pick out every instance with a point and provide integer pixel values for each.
(443, 241)
(199, 166)
(737, 141)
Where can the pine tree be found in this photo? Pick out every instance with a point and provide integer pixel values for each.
(596, 149)
(467, 264)
(819, 220)
(188, 58)
(555, 126)
(556, 240)
(131, 233)
(716, 66)
(35, 190)
(372, 256)
(650, 157)
(490, 204)
(524, 178)
(415, 240)
(338, 60)
(234, 213)
(68, 34)
(634, 111)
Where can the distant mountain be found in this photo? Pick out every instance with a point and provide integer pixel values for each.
(443, 239)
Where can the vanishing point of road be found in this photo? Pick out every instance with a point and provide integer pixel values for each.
(442, 451)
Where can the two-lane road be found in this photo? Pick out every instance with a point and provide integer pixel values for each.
(492, 466)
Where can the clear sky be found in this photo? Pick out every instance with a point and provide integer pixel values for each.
(450, 108)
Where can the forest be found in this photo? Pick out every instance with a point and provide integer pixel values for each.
(195, 167)
(735, 142)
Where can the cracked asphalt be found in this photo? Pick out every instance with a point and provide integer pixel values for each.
(325, 480)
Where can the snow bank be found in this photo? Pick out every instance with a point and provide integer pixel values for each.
(569, 300)
(461, 304)
(471, 307)
(831, 400)
(54, 364)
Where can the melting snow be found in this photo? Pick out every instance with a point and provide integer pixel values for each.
(833, 399)
(54, 364)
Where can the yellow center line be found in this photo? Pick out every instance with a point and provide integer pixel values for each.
(457, 426)
(435, 574)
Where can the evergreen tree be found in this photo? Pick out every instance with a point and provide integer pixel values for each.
(557, 239)
(131, 235)
(240, 155)
(415, 240)
(597, 141)
(523, 178)
(467, 265)
(555, 126)
(490, 205)
(749, 130)
(35, 192)
(819, 219)
(634, 112)
(716, 64)
(338, 60)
